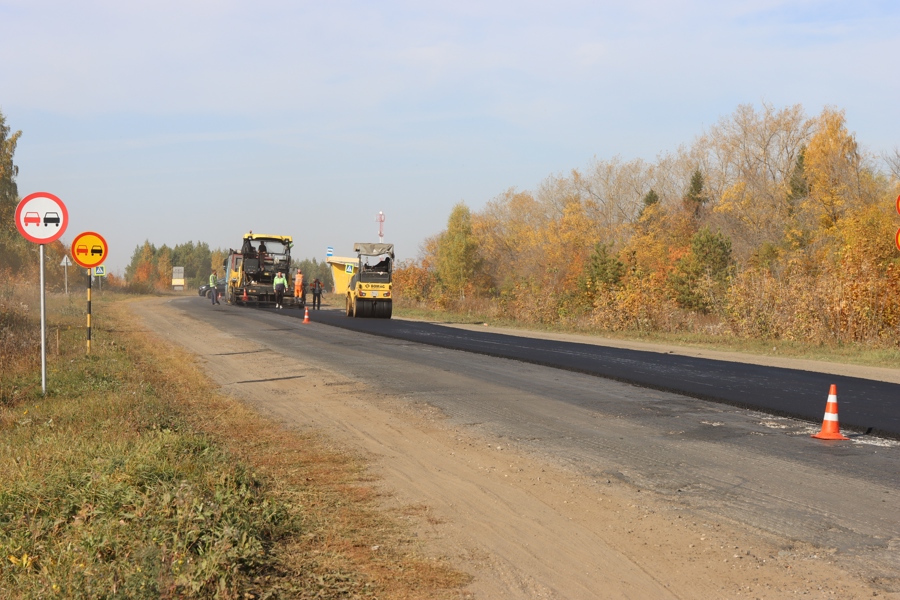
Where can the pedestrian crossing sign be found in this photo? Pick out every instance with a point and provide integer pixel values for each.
(100, 271)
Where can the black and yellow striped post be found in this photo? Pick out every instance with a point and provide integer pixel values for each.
(90, 280)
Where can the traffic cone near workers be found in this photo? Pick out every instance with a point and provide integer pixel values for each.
(831, 429)
(306, 315)
(244, 297)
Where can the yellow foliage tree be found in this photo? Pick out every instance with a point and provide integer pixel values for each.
(833, 169)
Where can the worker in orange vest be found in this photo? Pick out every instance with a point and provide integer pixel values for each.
(299, 290)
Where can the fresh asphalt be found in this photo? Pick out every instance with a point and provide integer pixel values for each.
(865, 406)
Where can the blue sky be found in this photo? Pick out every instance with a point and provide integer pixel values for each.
(200, 120)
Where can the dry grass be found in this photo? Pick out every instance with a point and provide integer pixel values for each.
(135, 478)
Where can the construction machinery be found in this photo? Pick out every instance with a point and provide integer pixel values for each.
(251, 272)
(370, 291)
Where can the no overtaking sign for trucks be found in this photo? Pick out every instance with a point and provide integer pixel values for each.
(89, 249)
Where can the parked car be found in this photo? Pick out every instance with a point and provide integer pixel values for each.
(220, 287)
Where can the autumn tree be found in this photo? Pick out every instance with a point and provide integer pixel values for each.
(833, 166)
(700, 277)
(752, 173)
(695, 199)
(196, 259)
(163, 274)
(893, 163)
(604, 271)
(457, 253)
(140, 272)
(13, 247)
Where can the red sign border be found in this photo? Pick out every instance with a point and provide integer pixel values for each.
(75, 256)
(897, 239)
(62, 208)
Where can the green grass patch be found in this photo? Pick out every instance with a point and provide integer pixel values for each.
(107, 492)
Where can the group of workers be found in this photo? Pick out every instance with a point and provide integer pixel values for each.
(315, 287)
(280, 282)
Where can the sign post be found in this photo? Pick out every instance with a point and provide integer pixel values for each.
(66, 263)
(42, 218)
(89, 250)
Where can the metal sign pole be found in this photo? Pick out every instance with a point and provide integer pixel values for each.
(43, 330)
(32, 210)
(67, 279)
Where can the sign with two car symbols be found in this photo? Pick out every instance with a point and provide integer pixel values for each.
(41, 218)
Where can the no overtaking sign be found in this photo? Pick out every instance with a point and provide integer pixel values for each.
(41, 218)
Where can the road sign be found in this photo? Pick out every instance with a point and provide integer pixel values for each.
(66, 262)
(329, 251)
(100, 271)
(898, 204)
(89, 249)
(897, 239)
(41, 218)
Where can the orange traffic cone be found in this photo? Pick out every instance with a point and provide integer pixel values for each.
(831, 429)
(306, 316)
(244, 297)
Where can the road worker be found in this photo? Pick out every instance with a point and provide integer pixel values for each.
(213, 291)
(280, 282)
(299, 290)
(316, 286)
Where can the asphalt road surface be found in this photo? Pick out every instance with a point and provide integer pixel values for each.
(865, 406)
(643, 418)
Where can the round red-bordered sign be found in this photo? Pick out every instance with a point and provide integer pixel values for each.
(41, 218)
(89, 249)
(897, 239)
(898, 205)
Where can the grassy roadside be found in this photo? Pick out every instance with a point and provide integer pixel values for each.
(847, 354)
(134, 478)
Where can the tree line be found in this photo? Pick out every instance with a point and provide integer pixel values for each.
(770, 224)
(150, 268)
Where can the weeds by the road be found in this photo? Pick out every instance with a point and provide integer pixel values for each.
(133, 478)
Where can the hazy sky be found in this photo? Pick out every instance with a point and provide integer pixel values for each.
(200, 120)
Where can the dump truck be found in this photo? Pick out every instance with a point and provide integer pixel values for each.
(370, 291)
(251, 271)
